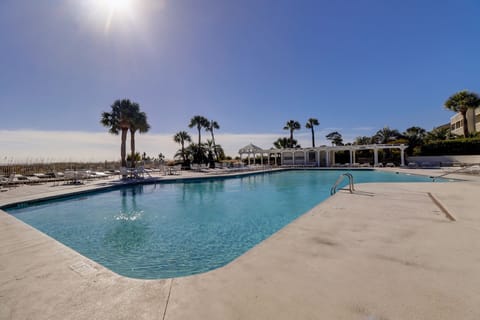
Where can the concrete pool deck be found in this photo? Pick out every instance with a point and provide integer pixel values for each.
(385, 252)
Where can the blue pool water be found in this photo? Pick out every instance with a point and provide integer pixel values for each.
(168, 230)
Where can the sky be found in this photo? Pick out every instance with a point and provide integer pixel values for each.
(356, 66)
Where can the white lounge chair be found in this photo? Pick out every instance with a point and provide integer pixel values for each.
(8, 182)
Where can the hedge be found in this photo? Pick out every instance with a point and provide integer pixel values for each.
(469, 146)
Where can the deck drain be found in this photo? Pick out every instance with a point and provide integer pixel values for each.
(82, 268)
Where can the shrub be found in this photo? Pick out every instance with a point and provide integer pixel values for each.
(468, 146)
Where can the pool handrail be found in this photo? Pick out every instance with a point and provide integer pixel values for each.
(351, 187)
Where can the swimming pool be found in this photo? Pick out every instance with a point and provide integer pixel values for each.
(168, 230)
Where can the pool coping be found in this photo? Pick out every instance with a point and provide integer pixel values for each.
(101, 275)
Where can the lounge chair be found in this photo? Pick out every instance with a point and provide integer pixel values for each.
(8, 182)
(412, 165)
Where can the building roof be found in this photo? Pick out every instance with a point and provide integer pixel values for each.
(250, 148)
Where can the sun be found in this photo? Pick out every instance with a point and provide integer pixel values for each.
(113, 13)
(117, 6)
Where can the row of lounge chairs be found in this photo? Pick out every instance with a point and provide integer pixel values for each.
(222, 168)
(68, 176)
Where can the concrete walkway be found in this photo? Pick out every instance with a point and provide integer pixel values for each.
(385, 252)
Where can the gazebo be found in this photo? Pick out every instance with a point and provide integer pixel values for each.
(252, 150)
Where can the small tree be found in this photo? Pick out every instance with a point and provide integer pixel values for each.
(335, 137)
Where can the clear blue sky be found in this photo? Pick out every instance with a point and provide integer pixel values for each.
(251, 64)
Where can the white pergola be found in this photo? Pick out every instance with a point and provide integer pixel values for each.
(312, 156)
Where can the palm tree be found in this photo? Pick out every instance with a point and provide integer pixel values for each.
(438, 134)
(181, 137)
(212, 125)
(312, 122)
(386, 135)
(119, 120)
(199, 122)
(284, 143)
(416, 137)
(362, 140)
(197, 151)
(461, 102)
(138, 123)
(292, 125)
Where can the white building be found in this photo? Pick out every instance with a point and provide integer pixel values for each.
(473, 121)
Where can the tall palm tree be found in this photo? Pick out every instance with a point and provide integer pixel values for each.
(139, 123)
(199, 122)
(292, 125)
(212, 125)
(118, 120)
(181, 137)
(461, 102)
(311, 123)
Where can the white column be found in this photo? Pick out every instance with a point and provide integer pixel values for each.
(318, 158)
(375, 157)
(402, 157)
(351, 157)
(354, 160)
(327, 158)
(305, 157)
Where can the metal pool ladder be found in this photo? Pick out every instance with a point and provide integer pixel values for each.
(351, 188)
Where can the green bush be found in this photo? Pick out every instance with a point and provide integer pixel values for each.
(469, 146)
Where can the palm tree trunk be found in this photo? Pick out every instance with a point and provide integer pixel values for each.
(465, 124)
(313, 138)
(291, 138)
(199, 142)
(214, 147)
(132, 147)
(123, 148)
(183, 152)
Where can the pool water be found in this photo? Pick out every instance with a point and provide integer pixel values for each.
(168, 230)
